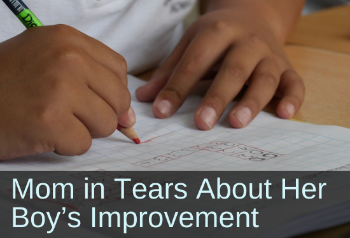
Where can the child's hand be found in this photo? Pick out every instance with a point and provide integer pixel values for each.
(58, 89)
(245, 50)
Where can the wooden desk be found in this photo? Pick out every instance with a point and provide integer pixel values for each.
(327, 80)
(329, 29)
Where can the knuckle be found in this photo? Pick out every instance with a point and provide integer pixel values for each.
(189, 68)
(218, 100)
(62, 29)
(234, 70)
(255, 103)
(191, 65)
(269, 79)
(221, 26)
(68, 56)
(161, 73)
(254, 40)
(174, 93)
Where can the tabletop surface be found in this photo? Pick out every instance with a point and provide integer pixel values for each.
(328, 29)
(327, 79)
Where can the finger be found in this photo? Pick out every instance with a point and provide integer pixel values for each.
(108, 86)
(128, 119)
(235, 70)
(72, 139)
(95, 113)
(264, 83)
(100, 79)
(194, 64)
(149, 92)
(108, 57)
(293, 93)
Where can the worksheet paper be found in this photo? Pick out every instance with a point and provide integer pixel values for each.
(267, 144)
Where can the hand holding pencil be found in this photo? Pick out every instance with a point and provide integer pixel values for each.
(58, 91)
(28, 19)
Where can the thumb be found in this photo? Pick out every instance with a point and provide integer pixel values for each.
(128, 119)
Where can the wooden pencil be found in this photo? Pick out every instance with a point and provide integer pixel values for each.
(130, 133)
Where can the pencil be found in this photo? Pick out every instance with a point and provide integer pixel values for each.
(130, 133)
(23, 13)
(28, 19)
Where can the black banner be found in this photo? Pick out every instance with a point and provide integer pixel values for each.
(172, 204)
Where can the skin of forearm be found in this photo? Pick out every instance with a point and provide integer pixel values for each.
(280, 15)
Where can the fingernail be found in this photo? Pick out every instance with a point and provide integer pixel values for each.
(244, 115)
(290, 109)
(209, 116)
(164, 107)
(132, 116)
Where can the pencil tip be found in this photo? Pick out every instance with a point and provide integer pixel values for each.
(137, 141)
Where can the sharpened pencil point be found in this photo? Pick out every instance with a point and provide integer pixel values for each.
(130, 133)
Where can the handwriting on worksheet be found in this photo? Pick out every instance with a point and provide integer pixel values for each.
(226, 148)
